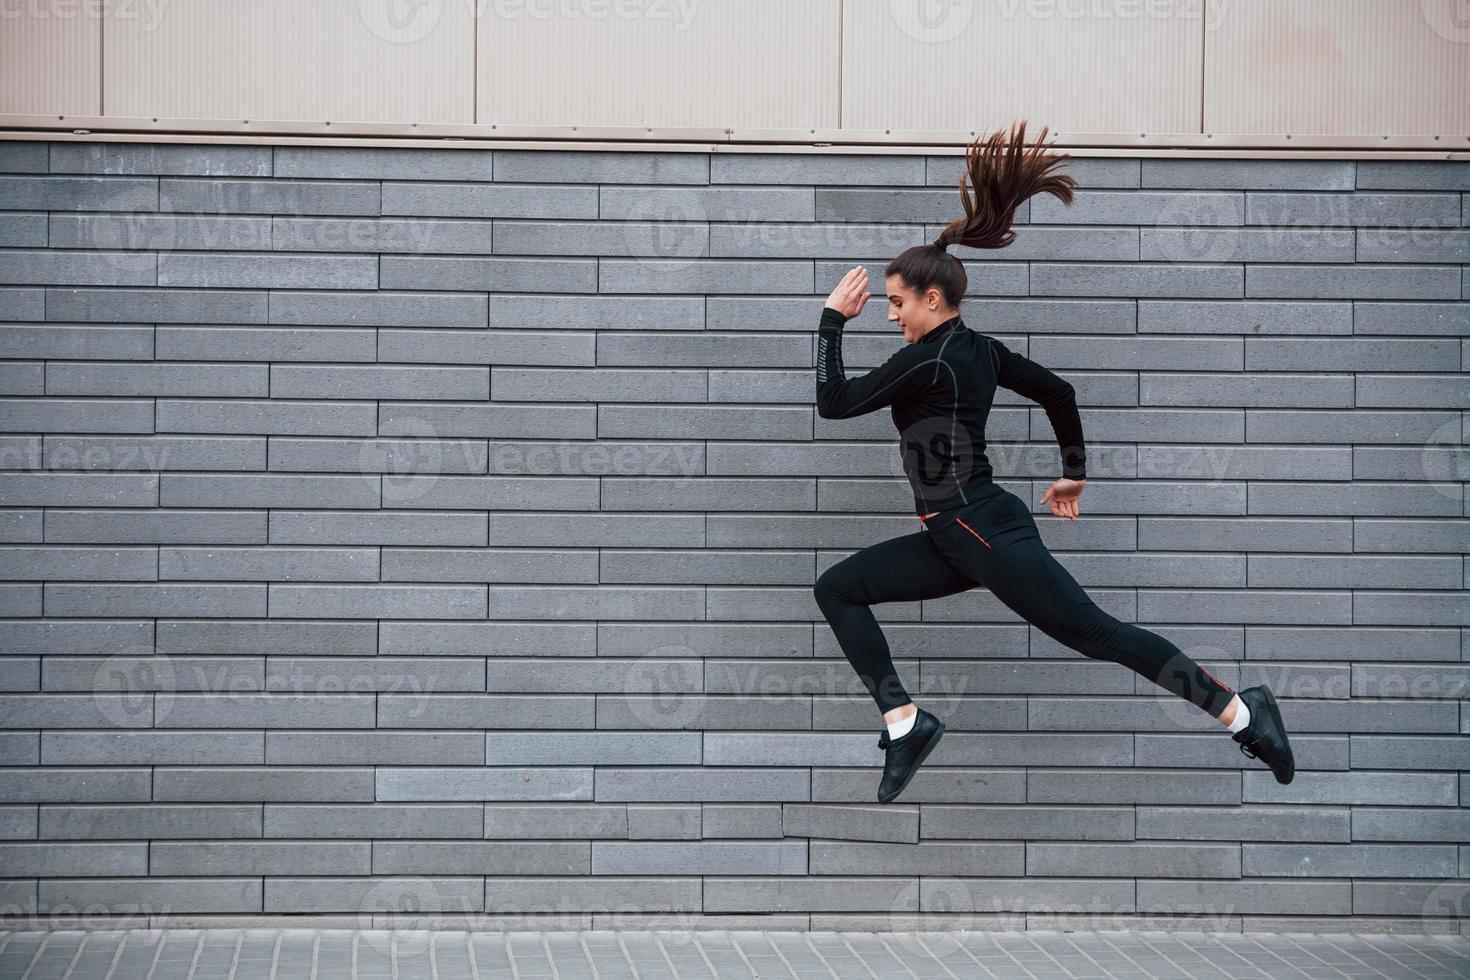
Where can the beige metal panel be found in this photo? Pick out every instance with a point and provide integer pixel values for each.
(665, 141)
(638, 139)
(293, 59)
(1348, 67)
(677, 63)
(49, 60)
(1121, 67)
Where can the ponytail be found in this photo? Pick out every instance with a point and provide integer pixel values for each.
(1001, 172)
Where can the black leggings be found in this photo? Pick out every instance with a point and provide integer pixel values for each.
(992, 542)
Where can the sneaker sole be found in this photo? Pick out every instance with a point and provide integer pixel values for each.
(914, 769)
(1280, 727)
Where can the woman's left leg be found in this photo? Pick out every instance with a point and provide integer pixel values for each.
(901, 569)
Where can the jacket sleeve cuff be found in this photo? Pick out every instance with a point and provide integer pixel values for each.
(831, 319)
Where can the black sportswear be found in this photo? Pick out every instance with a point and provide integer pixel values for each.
(994, 542)
(1265, 737)
(975, 532)
(940, 389)
(903, 755)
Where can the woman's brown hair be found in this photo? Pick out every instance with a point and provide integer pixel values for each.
(1003, 172)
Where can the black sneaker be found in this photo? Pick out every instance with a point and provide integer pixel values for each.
(1265, 737)
(906, 753)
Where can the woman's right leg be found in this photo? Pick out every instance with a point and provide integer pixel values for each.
(1015, 565)
(900, 569)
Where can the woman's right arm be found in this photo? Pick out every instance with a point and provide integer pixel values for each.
(841, 397)
(1052, 393)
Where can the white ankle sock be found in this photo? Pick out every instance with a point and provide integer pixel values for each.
(1242, 716)
(901, 728)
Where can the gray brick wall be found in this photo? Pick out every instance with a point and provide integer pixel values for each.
(428, 534)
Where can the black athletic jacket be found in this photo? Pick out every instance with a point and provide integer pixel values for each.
(940, 389)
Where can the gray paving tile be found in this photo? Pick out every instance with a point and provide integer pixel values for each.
(234, 954)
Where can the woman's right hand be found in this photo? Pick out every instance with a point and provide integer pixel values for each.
(1062, 496)
(851, 293)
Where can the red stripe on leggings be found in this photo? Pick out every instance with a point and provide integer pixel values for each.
(974, 532)
(1215, 679)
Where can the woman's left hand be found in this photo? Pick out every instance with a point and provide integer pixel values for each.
(1062, 496)
(851, 294)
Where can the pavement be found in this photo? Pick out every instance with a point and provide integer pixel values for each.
(206, 954)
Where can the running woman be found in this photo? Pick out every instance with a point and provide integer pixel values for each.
(939, 389)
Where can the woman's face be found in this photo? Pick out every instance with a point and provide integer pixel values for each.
(910, 310)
